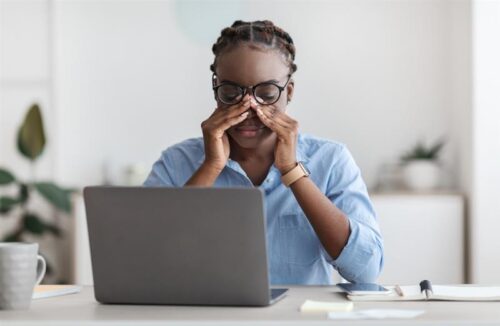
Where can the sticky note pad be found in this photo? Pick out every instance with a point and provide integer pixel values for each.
(326, 306)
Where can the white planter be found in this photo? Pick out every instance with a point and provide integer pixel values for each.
(422, 174)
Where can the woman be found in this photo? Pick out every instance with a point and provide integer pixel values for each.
(318, 212)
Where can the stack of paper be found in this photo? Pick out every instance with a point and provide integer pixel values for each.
(47, 291)
(376, 314)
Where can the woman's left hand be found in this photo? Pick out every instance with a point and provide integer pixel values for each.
(286, 129)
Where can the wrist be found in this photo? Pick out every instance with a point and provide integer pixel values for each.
(287, 168)
(212, 167)
(296, 173)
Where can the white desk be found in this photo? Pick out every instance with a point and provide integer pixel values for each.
(82, 309)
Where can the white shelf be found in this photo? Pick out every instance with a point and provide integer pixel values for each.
(423, 237)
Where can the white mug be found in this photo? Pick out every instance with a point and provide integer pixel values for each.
(21, 268)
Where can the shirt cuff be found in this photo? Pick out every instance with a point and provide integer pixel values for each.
(357, 254)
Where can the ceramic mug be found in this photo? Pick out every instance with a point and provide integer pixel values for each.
(21, 268)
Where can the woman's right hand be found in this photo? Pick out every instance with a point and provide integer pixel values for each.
(214, 132)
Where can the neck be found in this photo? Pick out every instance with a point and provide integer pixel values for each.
(264, 152)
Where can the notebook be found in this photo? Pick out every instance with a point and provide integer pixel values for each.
(427, 291)
(48, 291)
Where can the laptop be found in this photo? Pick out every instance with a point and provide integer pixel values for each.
(181, 246)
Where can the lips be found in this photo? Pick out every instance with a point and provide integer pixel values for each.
(249, 128)
(249, 125)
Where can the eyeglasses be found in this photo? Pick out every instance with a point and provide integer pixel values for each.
(264, 93)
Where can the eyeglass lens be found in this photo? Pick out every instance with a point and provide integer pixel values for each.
(264, 93)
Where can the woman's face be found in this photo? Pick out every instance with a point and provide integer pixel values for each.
(248, 66)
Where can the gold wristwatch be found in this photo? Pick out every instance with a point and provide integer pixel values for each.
(295, 174)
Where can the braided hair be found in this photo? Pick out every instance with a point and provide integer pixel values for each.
(261, 32)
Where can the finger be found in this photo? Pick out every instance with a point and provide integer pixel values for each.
(216, 111)
(228, 122)
(273, 111)
(222, 117)
(276, 116)
(282, 119)
(268, 122)
(235, 110)
(244, 101)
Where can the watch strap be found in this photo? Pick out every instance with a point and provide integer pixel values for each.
(294, 174)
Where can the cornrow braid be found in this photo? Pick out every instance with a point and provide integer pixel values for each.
(262, 32)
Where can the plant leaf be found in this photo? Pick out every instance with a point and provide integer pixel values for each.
(33, 224)
(56, 195)
(23, 193)
(31, 134)
(54, 229)
(434, 150)
(13, 237)
(7, 203)
(422, 152)
(6, 177)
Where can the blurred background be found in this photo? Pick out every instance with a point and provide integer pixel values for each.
(412, 87)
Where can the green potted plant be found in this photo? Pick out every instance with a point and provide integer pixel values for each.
(31, 142)
(421, 169)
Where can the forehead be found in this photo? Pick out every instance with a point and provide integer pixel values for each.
(248, 65)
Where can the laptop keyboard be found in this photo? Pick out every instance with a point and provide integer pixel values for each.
(277, 292)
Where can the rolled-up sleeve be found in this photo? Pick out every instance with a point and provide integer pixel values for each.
(362, 258)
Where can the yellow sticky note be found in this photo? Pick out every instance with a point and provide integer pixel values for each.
(326, 306)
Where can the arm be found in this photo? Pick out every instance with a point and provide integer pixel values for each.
(205, 176)
(216, 142)
(329, 222)
(343, 219)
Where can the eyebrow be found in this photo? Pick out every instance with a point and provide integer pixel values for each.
(274, 81)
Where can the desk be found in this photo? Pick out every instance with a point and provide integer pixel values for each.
(82, 309)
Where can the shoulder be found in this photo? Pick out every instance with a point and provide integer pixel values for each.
(311, 147)
(191, 149)
(176, 164)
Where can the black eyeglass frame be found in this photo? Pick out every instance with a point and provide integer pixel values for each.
(252, 89)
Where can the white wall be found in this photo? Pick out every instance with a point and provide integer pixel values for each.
(133, 78)
(121, 80)
(485, 263)
(25, 78)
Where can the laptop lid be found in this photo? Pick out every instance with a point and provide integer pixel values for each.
(196, 246)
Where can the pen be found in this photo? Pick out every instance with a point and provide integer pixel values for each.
(398, 290)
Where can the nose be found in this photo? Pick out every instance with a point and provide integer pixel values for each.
(247, 92)
(251, 115)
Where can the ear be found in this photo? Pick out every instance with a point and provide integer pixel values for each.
(289, 90)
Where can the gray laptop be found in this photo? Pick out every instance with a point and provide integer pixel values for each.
(185, 246)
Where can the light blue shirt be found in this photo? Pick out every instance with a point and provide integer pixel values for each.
(295, 253)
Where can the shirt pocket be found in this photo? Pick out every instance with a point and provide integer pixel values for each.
(298, 241)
